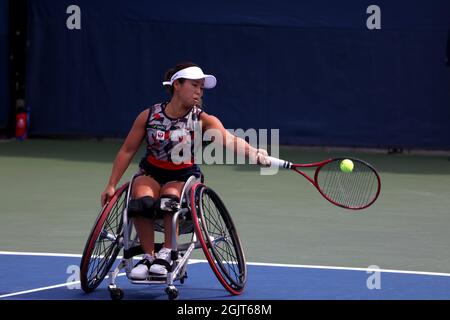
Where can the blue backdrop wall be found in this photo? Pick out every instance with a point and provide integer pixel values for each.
(4, 87)
(312, 69)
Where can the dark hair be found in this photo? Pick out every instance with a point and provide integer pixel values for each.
(172, 71)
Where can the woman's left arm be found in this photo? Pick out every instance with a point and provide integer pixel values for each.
(233, 142)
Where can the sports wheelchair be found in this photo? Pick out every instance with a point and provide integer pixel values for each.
(200, 215)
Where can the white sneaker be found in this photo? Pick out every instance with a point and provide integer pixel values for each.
(140, 270)
(157, 269)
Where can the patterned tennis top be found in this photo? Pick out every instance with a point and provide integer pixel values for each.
(167, 138)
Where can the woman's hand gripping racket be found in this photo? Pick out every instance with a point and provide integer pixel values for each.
(345, 182)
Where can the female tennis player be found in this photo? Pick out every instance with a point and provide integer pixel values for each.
(166, 126)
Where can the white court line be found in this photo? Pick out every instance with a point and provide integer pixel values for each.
(426, 273)
(46, 254)
(48, 288)
(192, 261)
(43, 254)
(348, 268)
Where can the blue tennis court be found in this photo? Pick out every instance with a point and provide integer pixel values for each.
(27, 276)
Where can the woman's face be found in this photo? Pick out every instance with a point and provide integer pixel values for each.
(190, 92)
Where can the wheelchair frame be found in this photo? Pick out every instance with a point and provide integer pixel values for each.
(201, 238)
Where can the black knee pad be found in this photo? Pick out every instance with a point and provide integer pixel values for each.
(142, 207)
(167, 204)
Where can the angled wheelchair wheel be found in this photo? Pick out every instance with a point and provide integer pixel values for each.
(102, 246)
(219, 239)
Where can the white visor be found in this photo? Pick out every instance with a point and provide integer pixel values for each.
(193, 73)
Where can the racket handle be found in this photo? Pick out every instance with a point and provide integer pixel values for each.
(279, 163)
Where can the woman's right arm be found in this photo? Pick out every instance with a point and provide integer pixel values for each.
(125, 155)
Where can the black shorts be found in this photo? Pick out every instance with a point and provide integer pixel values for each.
(162, 176)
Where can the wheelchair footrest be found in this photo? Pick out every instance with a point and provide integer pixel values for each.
(152, 281)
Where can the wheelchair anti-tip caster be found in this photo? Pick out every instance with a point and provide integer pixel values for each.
(116, 293)
(172, 292)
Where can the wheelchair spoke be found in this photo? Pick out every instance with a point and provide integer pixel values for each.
(224, 256)
(229, 258)
(103, 246)
(222, 241)
(100, 258)
(210, 217)
(212, 221)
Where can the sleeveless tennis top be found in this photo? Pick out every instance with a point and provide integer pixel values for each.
(164, 133)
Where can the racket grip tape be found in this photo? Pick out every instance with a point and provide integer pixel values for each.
(279, 163)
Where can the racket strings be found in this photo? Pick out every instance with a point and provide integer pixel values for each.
(355, 189)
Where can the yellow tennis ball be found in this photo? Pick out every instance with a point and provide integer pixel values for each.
(347, 165)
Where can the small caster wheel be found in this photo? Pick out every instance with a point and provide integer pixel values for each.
(183, 277)
(172, 292)
(116, 294)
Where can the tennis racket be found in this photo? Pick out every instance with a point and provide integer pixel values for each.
(351, 188)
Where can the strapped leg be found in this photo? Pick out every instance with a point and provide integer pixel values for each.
(142, 207)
